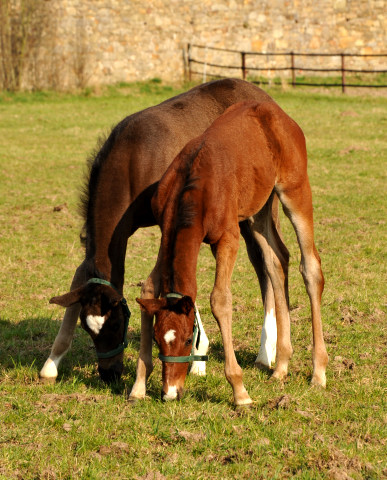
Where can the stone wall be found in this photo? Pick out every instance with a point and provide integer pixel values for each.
(90, 42)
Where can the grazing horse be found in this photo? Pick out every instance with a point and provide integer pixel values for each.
(117, 201)
(221, 182)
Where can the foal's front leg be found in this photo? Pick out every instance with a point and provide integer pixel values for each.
(225, 252)
(63, 340)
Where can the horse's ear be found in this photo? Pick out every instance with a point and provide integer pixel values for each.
(185, 305)
(112, 295)
(151, 305)
(68, 299)
(181, 305)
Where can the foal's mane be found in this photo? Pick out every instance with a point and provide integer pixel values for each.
(180, 212)
(94, 167)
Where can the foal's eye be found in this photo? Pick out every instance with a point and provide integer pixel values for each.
(188, 342)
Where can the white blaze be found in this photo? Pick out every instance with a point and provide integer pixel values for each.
(170, 336)
(95, 323)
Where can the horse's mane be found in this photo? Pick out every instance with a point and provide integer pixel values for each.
(93, 168)
(180, 211)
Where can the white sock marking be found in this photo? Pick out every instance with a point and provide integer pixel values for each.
(50, 368)
(170, 336)
(267, 352)
(199, 367)
(95, 323)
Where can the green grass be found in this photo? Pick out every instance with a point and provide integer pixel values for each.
(79, 428)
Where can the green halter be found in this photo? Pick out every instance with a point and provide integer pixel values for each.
(125, 310)
(195, 341)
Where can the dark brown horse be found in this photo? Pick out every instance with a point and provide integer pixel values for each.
(123, 178)
(225, 178)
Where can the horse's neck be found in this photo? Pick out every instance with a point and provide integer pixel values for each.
(107, 247)
(180, 261)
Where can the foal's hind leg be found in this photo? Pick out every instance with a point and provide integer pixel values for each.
(198, 367)
(150, 289)
(298, 207)
(267, 351)
(276, 261)
(63, 340)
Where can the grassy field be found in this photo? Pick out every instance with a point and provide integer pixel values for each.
(82, 429)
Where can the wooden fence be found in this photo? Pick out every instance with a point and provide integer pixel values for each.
(289, 61)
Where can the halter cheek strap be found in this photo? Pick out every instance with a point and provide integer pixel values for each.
(195, 341)
(126, 312)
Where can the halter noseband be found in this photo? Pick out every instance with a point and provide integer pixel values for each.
(126, 312)
(195, 341)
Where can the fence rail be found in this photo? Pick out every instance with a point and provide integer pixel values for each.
(291, 65)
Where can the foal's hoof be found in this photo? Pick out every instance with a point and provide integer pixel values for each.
(244, 409)
(318, 381)
(263, 367)
(47, 380)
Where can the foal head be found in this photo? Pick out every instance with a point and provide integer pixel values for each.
(173, 333)
(104, 319)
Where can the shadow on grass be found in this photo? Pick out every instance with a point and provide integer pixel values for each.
(28, 344)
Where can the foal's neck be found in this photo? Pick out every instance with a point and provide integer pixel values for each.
(180, 262)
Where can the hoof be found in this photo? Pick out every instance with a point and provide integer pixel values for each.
(318, 381)
(245, 408)
(47, 380)
(134, 400)
(263, 367)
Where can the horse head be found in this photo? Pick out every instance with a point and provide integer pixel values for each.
(105, 316)
(174, 335)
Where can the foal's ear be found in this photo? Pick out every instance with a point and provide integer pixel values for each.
(185, 305)
(151, 305)
(68, 299)
(112, 295)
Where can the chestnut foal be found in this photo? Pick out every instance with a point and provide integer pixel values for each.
(117, 201)
(223, 180)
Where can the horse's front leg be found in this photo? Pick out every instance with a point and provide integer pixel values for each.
(225, 252)
(63, 340)
(150, 289)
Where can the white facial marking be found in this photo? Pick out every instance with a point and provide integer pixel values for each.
(171, 394)
(170, 336)
(95, 323)
(267, 352)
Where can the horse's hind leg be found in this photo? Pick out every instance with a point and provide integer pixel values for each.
(298, 207)
(267, 351)
(150, 289)
(199, 367)
(63, 340)
(276, 258)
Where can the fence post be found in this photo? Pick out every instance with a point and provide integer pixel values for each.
(293, 69)
(243, 58)
(342, 72)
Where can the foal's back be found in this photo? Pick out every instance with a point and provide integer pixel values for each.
(230, 170)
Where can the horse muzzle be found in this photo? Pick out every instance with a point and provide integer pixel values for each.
(172, 393)
(111, 374)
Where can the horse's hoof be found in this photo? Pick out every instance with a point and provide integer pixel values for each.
(244, 408)
(47, 380)
(263, 367)
(318, 382)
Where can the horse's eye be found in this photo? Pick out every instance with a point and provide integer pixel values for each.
(188, 342)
